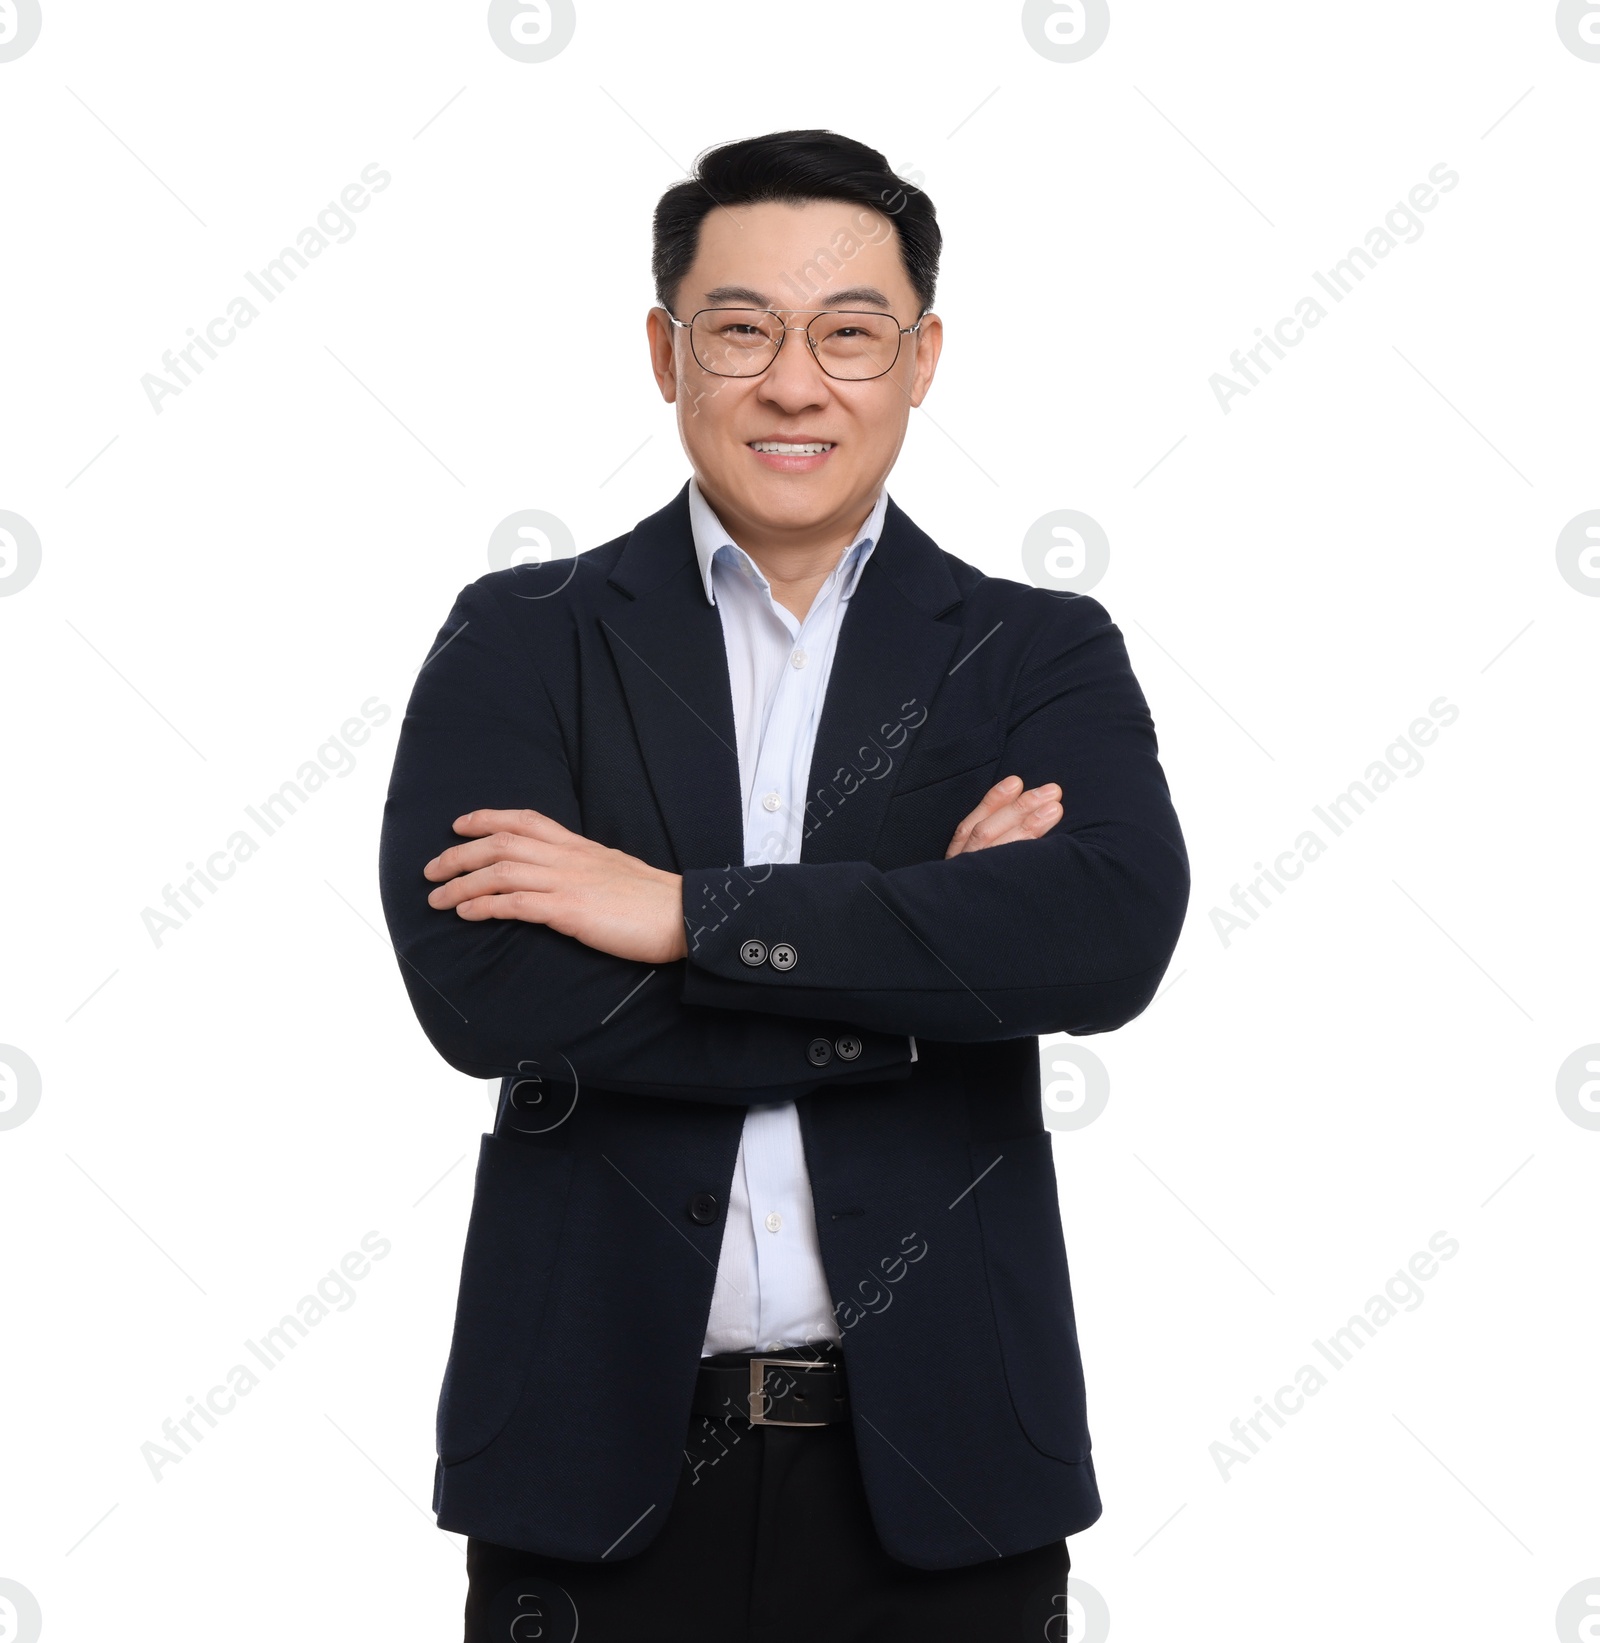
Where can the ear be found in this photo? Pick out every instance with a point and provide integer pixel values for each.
(663, 352)
(930, 339)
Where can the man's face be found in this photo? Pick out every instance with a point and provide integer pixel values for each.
(794, 259)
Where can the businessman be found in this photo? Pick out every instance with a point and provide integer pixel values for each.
(751, 852)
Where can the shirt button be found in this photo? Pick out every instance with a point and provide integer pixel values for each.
(772, 801)
(798, 659)
(774, 1221)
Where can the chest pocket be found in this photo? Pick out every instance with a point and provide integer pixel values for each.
(971, 754)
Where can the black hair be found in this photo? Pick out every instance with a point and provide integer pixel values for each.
(793, 166)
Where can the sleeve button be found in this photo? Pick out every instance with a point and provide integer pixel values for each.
(848, 1047)
(819, 1052)
(754, 952)
(783, 957)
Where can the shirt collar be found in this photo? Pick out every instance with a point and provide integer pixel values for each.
(710, 537)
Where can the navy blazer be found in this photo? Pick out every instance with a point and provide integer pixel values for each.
(595, 690)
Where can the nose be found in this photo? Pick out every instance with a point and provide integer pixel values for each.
(794, 381)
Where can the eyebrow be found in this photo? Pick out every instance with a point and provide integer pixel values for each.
(743, 295)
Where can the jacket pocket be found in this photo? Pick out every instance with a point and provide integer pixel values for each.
(974, 749)
(513, 1235)
(1025, 1256)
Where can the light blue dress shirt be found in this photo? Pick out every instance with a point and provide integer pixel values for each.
(771, 1290)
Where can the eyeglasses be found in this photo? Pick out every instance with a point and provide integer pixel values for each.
(742, 342)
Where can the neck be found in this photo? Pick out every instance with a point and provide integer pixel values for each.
(796, 560)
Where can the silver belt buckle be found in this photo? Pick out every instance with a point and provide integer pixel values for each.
(758, 1391)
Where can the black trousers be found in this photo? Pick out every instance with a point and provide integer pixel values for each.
(768, 1541)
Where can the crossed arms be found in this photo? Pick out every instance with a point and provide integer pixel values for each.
(531, 946)
(521, 864)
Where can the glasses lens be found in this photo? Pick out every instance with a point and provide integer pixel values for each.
(735, 342)
(854, 346)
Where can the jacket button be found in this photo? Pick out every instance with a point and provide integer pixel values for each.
(754, 952)
(819, 1052)
(783, 957)
(703, 1208)
(848, 1047)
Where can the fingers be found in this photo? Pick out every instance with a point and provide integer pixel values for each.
(1029, 815)
(520, 904)
(1008, 788)
(1008, 813)
(496, 880)
(532, 824)
(500, 845)
(1033, 826)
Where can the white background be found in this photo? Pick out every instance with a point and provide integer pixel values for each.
(1372, 1061)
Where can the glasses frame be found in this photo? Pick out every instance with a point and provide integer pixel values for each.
(816, 314)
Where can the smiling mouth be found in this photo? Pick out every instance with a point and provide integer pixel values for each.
(783, 447)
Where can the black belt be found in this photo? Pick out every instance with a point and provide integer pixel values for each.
(802, 1386)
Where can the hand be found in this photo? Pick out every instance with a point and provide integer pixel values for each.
(1007, 814)
(523, 865)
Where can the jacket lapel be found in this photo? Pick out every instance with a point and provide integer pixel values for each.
(891, 657)
(668, 650)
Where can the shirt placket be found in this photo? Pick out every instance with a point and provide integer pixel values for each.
(777, 777)
(770, 1173)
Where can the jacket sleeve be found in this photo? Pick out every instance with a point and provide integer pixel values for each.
(1067, 933)
(502, 997)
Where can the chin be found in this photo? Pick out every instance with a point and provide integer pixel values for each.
(796, 500)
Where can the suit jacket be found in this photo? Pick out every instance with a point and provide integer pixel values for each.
(595, 690)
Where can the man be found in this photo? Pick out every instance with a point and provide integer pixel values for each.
(752, 851)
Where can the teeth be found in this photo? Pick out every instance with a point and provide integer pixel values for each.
(777, 447)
